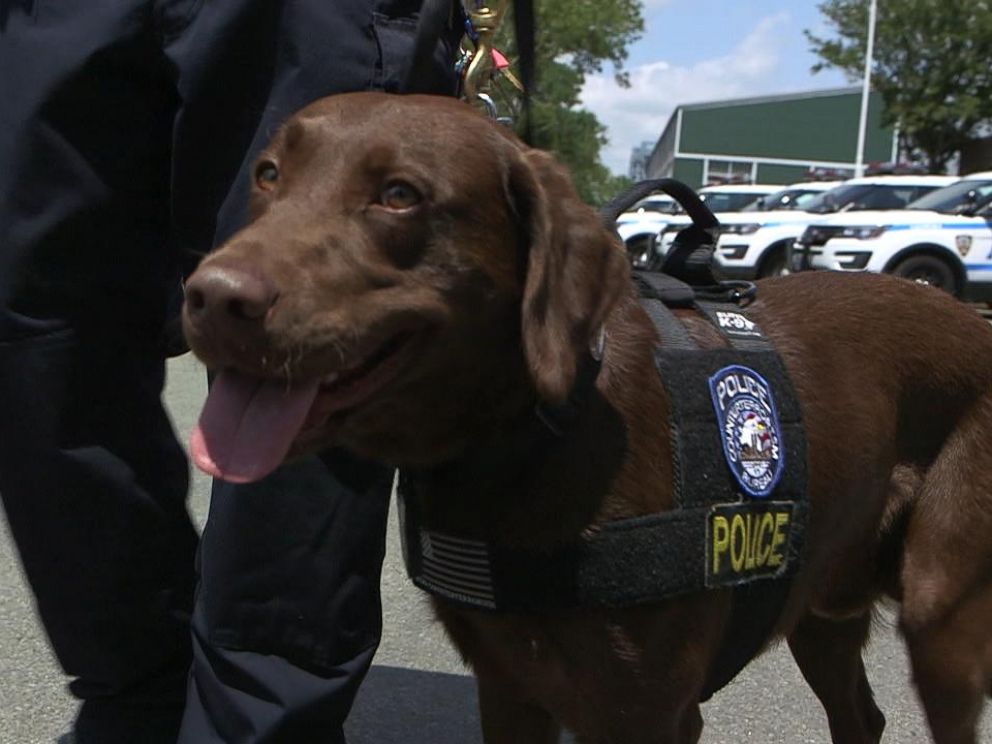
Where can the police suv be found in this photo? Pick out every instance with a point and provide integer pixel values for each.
(943, 239)
(755, 244)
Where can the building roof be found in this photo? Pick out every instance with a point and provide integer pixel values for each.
(800, 96)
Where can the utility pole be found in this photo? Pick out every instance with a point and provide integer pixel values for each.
(859, 162)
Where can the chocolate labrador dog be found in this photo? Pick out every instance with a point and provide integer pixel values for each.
(415, 280)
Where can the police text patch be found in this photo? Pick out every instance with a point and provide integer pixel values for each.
(749, 428)
(747, 541)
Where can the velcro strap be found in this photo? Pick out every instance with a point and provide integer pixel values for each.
(674, 335)
(624, 563)
(669, 290)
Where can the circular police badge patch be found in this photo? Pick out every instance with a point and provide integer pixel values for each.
(749, 428)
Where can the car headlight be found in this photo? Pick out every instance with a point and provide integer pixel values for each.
(863, 232)
(745, 228)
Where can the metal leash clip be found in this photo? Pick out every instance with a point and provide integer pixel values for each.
(484, 65)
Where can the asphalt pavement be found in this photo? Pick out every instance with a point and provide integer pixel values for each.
(418, 691)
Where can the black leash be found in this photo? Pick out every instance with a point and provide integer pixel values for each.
(435, 15)
(523, 27)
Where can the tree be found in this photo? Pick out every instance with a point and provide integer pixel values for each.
(931, 66)
(574, 39)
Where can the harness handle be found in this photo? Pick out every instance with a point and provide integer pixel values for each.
(690, 258)
(701, 215)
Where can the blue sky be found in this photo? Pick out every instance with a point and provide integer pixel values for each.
(705, 50)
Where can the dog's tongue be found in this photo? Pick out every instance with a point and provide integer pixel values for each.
(247, 426)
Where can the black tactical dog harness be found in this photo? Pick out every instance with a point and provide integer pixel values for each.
(739, 455)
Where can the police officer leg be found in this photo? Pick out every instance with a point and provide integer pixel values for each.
(92, 478)
(288, 611)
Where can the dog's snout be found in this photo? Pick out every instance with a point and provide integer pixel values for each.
(228, 294)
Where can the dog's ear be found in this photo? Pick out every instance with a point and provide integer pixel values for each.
(576, 270)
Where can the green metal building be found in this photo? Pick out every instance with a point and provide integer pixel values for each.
(774, 139)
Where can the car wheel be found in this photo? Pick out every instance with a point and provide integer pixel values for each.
(928, 270)
(639, 250)
(773, 265)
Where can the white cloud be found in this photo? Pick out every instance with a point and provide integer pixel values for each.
(639, 113)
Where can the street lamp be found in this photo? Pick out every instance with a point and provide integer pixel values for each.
(859, 163)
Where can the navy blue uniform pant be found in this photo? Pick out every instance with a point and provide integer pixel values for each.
(127, 131)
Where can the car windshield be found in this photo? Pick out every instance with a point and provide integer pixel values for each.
(723, 201)
(838, 198)
(655, 204)
(956, 197)
(867, 196)
(784, 199)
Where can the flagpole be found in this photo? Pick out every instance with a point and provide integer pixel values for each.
(859, 163)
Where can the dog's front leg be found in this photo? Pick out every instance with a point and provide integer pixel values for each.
(506, 719)
(828, 654)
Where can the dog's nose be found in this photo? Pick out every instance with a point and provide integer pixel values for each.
(229, 295)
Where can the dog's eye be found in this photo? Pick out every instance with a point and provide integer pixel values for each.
(266, 174)
(399, 195)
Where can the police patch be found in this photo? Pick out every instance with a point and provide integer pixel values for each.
(749, 428)
(747, 541)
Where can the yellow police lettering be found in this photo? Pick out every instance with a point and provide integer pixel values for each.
(738, 543)
(749, 543)
(778, 538)
(721, 540)
(765, 546)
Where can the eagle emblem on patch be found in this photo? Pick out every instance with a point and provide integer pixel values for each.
(749, 428)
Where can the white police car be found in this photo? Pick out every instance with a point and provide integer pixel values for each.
(753, 245)
(943, 239)
(639, 226)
